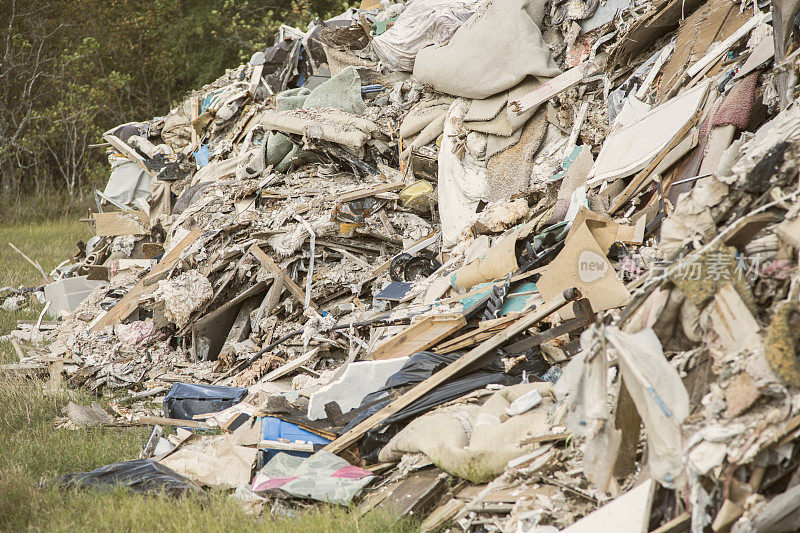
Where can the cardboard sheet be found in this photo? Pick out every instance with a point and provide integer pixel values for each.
(583, 264)
(213, 460)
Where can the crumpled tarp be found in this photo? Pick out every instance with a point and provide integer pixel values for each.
(490, 53)
(323, 477)
(475, 442)
(422, 23)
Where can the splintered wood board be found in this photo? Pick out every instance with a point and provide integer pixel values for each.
(419, 336)
(117, 223)
(441, 515)
(466, 361)
(370, 191)
(277, 272)
(415, 494)
(485, 330)
(292, 365)
(130, 301)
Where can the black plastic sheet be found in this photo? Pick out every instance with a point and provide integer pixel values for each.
(185, 400)
(141, 475)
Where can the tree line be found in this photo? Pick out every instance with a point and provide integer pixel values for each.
(72, 69)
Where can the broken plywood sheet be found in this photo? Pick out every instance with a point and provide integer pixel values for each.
(632, 147)
(419, 336)
(736, 329)
(417, 493)
(713, 22)
(117, 223)
(583, 264)
(648, 29)
(629, 513)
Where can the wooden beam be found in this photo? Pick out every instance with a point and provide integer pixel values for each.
(292, 365)
(170, 258)
(560, 83)
(467, 361)
(128, 152)
(162, 421)
(365, 192)
(130, 301)
(276, 271)
(419, 336)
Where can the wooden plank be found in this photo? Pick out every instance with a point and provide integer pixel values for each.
(170, 258)
(679, 524)
(255, 79)
(628, 421)
(162, 421)
(23, 368)
(276, 271)
(485, 329)
(415, 494)
(128, 152)
(419, 336)
(286, 446)
(130, 301)
(718, 49)
(292, 365)
(467, 361)
(441, 515)
(365, 192)
(116, 223)
(17, 348)
(560, 83)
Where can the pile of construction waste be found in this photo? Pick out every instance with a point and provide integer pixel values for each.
(518, 265)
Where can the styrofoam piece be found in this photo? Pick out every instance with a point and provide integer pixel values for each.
(358, 380)
(65, 295)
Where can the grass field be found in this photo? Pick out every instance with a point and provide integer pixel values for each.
(32, 451)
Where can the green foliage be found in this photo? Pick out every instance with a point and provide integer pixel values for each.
(71, 69)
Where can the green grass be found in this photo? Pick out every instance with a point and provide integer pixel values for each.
(45, 206)
(33, 451)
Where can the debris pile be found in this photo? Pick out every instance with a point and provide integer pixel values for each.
(518, 265)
